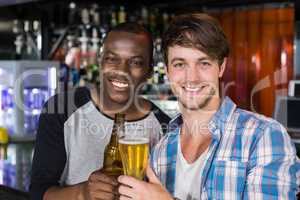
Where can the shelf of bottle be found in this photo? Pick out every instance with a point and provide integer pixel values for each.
(156, 88)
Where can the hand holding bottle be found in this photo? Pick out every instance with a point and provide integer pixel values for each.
(100, 186)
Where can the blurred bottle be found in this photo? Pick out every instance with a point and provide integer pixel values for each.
(145, 17)
(122, 15)
(112, 159)
(113, 21)
(153, 23)
(31, 47)
(37, 33)
(72, 13)
(20, 41)
(3, 135)
(3, 152)
(93, 70)
(95, 15)
(155, 74)
(83, 57)
(159, 66)
(85, 16)
(166, 20)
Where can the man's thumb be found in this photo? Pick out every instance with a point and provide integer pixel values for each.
(151, 176)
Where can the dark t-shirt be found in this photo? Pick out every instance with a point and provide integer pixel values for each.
(72, 136)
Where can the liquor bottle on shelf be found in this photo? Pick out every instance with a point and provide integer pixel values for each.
(28, 39)
(153, 23)
(159, 63)
(27, 29)
(92, 72)
(122, 15)
(85, 17)
(165, 19)
(72, 13)
(20, 40)
(37, 33)
(83, 57)
(84, 45)
(155, 74)
(71, 63)
(145, 17)
(68, 63)
(114, 20)
(95, 15)
(31, 47)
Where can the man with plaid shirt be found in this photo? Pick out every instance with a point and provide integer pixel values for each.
(214, 150)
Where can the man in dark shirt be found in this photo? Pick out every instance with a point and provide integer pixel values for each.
(75, 126)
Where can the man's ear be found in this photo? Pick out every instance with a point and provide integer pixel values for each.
(223, 67)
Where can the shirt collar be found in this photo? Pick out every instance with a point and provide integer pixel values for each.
(216, 124)
(221, 117)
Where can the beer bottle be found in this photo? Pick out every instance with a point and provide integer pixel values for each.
(112, 159)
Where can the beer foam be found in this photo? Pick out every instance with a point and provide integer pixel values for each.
(134, 141)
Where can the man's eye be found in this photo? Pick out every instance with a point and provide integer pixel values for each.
(136, 63)
(179, 65)
(110, 59)
(205, 65)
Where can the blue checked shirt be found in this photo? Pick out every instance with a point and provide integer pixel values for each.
(251, 157)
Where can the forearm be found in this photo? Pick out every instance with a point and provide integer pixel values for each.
(61, 193)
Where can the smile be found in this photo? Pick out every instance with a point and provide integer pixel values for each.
(193, 89)
(119, 84)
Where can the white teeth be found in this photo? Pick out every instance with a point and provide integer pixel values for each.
(119, 84)
(189, 89)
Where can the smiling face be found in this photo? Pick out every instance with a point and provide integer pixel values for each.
(194, 76)
(125, 64)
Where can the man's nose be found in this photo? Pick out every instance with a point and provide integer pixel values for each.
(124, 66)
(192, 74)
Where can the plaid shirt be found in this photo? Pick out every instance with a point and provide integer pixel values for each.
(251, 157)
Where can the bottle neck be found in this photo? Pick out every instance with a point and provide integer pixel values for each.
(118, 128)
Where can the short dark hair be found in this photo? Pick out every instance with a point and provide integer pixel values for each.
(199, 31)
(132, 27)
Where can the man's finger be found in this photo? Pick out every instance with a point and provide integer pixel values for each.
(98, 176)
(103, 195)
(126, 191)
(125, 198)
(128, 180)
(103, 187)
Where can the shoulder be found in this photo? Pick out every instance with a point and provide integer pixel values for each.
(66, 102)
(266, 133)
(247, 120)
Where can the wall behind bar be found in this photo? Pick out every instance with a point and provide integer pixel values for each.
(261, 61)
(297, 41)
